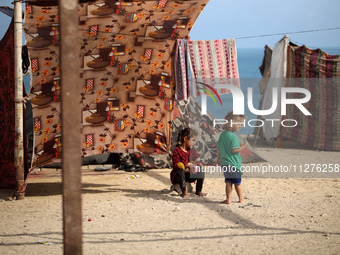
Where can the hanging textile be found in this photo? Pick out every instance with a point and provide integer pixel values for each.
(183, 70)
(127, 83)
(278, 67)
(7, 10)
(318, 72)
(265, 71)
(265, 68)
(7, 109)
(214, 62)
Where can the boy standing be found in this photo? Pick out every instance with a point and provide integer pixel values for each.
(229, 157)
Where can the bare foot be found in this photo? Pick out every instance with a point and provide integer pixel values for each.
(185, 194)
(225, 202)
(243, 200)
(200, 194)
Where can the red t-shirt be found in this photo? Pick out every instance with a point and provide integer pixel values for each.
(181, 156)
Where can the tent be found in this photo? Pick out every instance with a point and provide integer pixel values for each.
(126, 68)
(315, 71)
(130, 58)
(7, 112)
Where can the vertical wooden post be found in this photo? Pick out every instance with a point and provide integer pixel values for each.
(19, 124)
(70, 109)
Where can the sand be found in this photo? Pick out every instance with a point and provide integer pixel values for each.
(124, 215)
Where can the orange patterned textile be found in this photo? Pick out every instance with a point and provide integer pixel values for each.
(127, 85)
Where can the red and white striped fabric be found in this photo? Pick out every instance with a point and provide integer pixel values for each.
(94, 30)
(181, 70)
(162, 2)
(90, 83)
(37, 123)
(148, 53)
(214, 62)
(89, 139)
(140, 110)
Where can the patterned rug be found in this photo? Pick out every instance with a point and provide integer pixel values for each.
(207, 62)
(318, 72)
(7, 118)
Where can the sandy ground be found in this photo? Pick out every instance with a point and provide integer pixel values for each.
(140, 216)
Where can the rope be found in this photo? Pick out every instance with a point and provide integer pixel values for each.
(297, 32)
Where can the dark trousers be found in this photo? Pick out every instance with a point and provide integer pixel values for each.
(182, 177)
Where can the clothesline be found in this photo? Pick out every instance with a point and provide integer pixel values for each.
(297, 32)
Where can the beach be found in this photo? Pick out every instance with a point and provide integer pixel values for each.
(134, 213)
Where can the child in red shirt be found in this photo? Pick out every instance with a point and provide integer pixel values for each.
(182, 154)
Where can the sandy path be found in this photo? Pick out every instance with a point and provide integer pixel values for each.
(139, 216)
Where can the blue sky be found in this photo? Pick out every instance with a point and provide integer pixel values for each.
(233, 19)
(224, 19)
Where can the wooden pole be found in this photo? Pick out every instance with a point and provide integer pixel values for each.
(19, 103)
(70, 109)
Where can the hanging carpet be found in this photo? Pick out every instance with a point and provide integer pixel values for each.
(319, 73)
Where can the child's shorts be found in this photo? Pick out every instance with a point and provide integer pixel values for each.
(231, 175)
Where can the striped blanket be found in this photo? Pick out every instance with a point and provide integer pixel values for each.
(214, 62)
(321, 130)
(206, 61)
(183, 72)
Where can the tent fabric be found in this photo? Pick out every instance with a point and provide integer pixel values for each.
(277, 75)
(319, 73)
(187, 113)
(7, 118)
(7, 113)
(214, 62)
(7, 10)
(127, 82)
